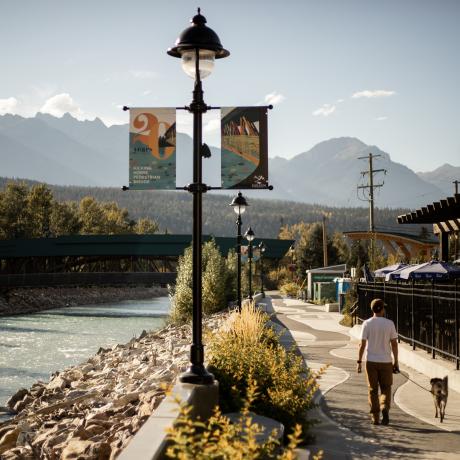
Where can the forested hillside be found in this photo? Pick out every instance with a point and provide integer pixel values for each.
(173, 211)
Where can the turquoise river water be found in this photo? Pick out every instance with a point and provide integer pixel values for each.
(35, 345)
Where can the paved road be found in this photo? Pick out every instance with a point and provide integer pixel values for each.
(345, 431)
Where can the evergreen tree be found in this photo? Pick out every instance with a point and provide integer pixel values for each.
(15, 221)
(40, 205)
(64, 219)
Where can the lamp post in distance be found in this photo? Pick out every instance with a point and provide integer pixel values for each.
(292, 266)
(197, 47)
(249, 235)
(262, 249)
(239, 205)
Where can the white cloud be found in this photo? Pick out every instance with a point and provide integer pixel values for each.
(339, 101)
(60, 104)
(212, 125)
(143, 74)
(373, 94)
(146, 92)
(9, 105)
(325, 110)
(381, 118)
(274, 98)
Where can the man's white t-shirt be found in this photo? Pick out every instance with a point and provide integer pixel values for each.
(378, 332)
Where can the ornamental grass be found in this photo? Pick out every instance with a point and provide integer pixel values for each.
(248, 349)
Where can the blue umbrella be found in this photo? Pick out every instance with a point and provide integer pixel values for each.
(382, 272)
(433, 270)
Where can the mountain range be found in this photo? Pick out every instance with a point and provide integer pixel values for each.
(65, 151)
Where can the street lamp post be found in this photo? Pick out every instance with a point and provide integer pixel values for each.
(249, 235)
(262, 249)
(292, 252)
(239, 205)
(198, 46)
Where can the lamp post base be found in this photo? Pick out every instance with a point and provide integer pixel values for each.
(197, 375)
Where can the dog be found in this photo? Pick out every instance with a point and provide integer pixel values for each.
(439, 390)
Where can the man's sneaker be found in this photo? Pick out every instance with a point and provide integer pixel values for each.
(385, 417)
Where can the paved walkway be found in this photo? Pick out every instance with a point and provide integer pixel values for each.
(344, 431)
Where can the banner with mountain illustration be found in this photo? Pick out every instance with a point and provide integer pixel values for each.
(152, 149)
(245, 254)
(244, 161)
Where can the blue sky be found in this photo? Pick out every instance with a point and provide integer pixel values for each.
(386, 72)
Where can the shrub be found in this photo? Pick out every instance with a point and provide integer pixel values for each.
(218, 438)
(290, 289)
(276, 278)
(181, 293)
(214, 279)
(249, 349)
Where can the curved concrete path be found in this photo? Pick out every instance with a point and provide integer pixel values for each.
(344, 431)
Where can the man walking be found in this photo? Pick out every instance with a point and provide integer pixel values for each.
(380, 336)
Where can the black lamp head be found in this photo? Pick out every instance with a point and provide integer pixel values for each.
(198, 36)
(249, 235)
(239, 200)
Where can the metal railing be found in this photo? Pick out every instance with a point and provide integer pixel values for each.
(426, 314)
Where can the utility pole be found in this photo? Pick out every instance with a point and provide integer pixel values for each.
(370, 186)
(326, 215)
(456, 182)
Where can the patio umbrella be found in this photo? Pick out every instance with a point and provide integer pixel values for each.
(396, 274)
(433, 270)
(382, 272)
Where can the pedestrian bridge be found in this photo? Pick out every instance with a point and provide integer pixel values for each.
(105, 259)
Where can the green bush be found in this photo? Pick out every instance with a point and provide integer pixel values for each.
(291, 289)
(214, 283)
(247, 350)
(277, 277)
(215, 276)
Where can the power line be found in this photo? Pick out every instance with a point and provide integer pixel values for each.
(370, 186)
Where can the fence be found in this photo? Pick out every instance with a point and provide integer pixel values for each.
(425, 314)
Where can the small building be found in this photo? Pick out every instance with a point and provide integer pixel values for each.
(323, 275)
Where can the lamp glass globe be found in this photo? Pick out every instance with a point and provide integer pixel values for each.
(206, 62)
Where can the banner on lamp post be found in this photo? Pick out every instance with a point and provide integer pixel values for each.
(245, 252)
(244, 160)
(152, 149)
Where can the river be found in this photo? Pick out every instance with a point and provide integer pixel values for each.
(33, 346)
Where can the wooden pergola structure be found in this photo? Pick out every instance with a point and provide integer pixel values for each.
(410, 245)
(444, 215)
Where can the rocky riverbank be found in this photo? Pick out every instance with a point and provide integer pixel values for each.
(91, 411)
(30, 300)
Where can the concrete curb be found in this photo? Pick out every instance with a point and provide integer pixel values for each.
(150, 442)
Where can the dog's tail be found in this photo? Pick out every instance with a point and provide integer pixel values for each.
(445, 382)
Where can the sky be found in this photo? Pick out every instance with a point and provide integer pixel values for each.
(386, 72)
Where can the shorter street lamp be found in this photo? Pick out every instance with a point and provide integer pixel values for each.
(239, 205)
(262, 249)
(291, 267)
(249, 235)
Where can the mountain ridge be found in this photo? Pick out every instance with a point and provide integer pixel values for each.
(67, 151)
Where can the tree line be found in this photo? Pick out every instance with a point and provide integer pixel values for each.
(32, 211)
(172, 211)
